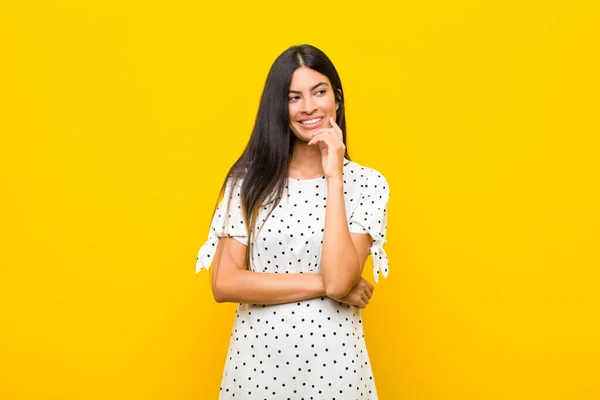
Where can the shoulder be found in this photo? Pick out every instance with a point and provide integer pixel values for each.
(367, 178)
(231, 192)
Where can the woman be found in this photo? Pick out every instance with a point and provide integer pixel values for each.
(289, 240)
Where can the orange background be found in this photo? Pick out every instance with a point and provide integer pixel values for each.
(119, 119)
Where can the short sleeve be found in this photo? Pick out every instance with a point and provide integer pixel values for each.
(370, 216)
(226, 222)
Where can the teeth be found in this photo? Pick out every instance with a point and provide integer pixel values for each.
(311, 121)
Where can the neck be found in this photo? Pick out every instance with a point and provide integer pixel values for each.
(306, 160)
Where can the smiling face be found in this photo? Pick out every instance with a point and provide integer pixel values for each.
(311, 102)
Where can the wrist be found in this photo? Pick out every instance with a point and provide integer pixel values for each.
(335, 181)
(321, 285)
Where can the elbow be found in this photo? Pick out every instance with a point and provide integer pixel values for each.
(340, 286)
(337, 290)
(220, 293)
(219, 298)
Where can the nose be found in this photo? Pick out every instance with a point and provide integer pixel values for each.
(309, 105)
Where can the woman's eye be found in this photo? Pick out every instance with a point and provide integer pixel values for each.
(293, 98)
(321, 92)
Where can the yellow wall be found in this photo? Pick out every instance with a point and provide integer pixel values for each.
(119, 119)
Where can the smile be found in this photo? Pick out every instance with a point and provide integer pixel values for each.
(310, 123)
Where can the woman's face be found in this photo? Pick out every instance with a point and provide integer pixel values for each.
(311, 102)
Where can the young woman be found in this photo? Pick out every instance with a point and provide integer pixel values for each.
(289, 240)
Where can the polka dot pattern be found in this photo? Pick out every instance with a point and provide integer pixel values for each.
(309, 349)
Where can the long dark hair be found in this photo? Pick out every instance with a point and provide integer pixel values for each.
(264, 163)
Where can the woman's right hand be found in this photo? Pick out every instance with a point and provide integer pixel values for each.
(359, 295)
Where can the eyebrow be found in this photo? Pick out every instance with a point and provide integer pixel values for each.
(311, 89)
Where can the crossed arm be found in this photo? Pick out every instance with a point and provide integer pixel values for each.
(342, 260)
(232, 283)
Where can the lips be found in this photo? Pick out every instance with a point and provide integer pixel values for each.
(311, 122)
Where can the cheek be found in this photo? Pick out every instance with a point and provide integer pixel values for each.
(328, 103)
(292, 111)
(292, 123)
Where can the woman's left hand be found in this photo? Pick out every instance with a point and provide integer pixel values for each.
(359, 295)
(331, 144)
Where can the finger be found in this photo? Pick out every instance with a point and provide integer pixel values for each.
(367, 285)
(327, 139)
(365, 298)
(315, 139)
(338, 139)
(336, 127)
(321, 131)
(332, 139)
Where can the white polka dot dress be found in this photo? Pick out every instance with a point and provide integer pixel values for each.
(312, 349)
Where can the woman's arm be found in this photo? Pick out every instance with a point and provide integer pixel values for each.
(344, 254)
(232, 283)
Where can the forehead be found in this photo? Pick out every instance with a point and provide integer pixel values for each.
(305, 78)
